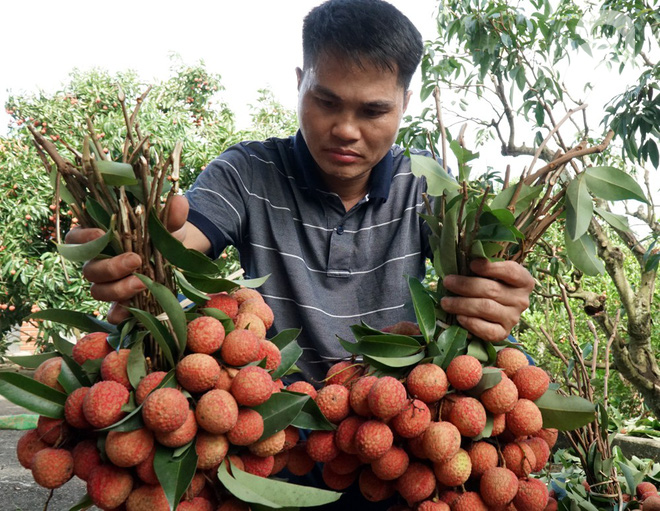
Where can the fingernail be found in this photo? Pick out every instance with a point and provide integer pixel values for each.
(137, 285)
(132, 262)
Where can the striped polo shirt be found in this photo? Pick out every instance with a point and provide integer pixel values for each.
(329, 268)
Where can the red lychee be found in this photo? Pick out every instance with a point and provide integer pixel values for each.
(299, 462)
(427, 382)
(147, 384)
(217, 411)
(344, 463)
(259, 308)
(73, 411)
(303, 387)
(205, 335)
(372, 488)
(531, 382)
(344, 373)
(109, 486)
(413, 420)
(271, 353)
(416, 484)
(333, 401)
(519, 458)
(211, 450)
(524, 418)
(224, 302)
(454, 471)
(498, 486)
(252, 386)
(441, 441)
(248, 429)
(511, 359)
(257, 465)
(91, 346)
(197, 372)
(251, 322)
(469, 501)
(48, 372)
(483, 456)
(86, 457)
(145, 470)
(245, 293)
(180, 436)
(532, 495)
(345, 437)
(373, 439)
(464, 372)
(321, 446)
(549, 435)
(500, 398)
(52, 431)
(51, 468)
(469, 416)
(115, 367)
(268, 446)
(541, 452)
(147, 498)
(165, 409)
(128, 448)
(103, 402)
(360, 393)
(240, 347)
(335, 481)
(387, 397)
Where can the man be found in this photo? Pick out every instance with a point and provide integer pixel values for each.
(332, 213)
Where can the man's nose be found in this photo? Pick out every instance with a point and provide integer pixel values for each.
(346, 127)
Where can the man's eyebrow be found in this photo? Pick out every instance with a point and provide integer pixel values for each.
(379, 103)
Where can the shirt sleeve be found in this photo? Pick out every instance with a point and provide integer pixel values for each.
(219, 199)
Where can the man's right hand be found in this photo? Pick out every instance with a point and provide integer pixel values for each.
(112, 279)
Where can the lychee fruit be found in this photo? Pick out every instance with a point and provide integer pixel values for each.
(197, 372)
(360, 393)
(226, 376)
(217, 411)
(430, 505)
(519, 458)
(145, 470)
(181, 435)
(128, 448)
(373, 439)
(224, 302)
(532, 495)
(291, 437)
(48, 371)
(259, 308)
(345, 463)
(196, 504)
(343, 373)
(427, 382)
(240, 347)
(52, 431)
(643, 488)
(345, 437)
(245, 293)
(90, 347)
(86, 457)
(164, 410)
(211, 450)
(511, 359)
(248, 428)
(498, 487)
(303, 387)
(469, 416)
(403, 328)
(257, 465)
(252, 386)
(51, 468)
(416, 484)
(147, 498)
(391, 465)
(469, 501)
(335, 481)
(413, 420)
(299, 462)
(464, 372)
(387, 397)
(500, 398)
(455, 470)
(147, 384)
(441, 441)
(541, 452)
(483, 456)
(333, 401)
(549, 435)
(524, 419)
(321, 446)
(531, 382)
(270, 352)
(268, 446)
(651, 503)
(115, 367)
(109, 486)
(102, 405)
(251, 322)
(499, 424)
(205, 335)
(372, 488)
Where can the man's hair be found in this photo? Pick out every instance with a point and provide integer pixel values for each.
(371, 31)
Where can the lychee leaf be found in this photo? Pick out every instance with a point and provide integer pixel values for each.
(84, 503)
(451, 343)
(565, 413)
(190, 291)
(290, 355)
(226, 321)
(116, 173)
(351, 347)
(170, 304)
(75, 319)
(285, 337)
(86, 251)
(397, 362)
(32, 395)
(252, 283)
(159, 332)
(487, 431)
(175, 472)
(32, 361)
(612, 184)
(490, 377)
(270, 492)
(136, 367)
(311, 417)
(388, 346)
(209, 284)
(72, 376)
(424, 308)
(280, 411)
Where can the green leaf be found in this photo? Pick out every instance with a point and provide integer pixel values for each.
(424, 308)
(396, 362)
(448, 242)
(438, 181)
(63, 346)
(490, 377)
(271, 492)
(451, 343)
(137, 367)
(170, 304)
(285, 337)
(115, 173)
(612, 184)
(619, 222)
(84, 503)
(72, 375)
(497, 232)
(388, 346)
(65, 194)
(32, 361)
(290, 353)
(582, 254)
(175, 472)
(565, 413)
(280, 410)
(526, 196)
(208, 284)
(190, 291)
(487, 431)
(79, 320)
(311, 417)
(579, 208)
(86, 251)
(32, 395)
(174, 251)
(252, 283)
(159, 332)
(98, 213)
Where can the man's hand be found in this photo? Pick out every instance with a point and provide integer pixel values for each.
(489, 304)
(112, 279)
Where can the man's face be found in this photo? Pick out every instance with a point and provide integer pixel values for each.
(349, 117)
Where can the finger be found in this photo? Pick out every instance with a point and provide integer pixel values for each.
(114, 268)
(483, 308)
(118, 313)
(488, 331)
(509, 272)
(477, 287)
(78, 235)
(117, 291)
(178, 213)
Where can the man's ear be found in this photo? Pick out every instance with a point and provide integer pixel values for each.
(406, 99)
(299, 77)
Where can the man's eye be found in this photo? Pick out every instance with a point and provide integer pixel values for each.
(370, 112)
(325, 103)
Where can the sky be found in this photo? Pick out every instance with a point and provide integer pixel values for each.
(252, 44)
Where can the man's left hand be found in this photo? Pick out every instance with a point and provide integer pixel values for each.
(490, 303)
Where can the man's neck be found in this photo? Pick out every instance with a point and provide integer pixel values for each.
(350, 192)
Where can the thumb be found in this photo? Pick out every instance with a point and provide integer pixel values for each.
(178, 213)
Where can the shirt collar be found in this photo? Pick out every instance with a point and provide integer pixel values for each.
(381, 174)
